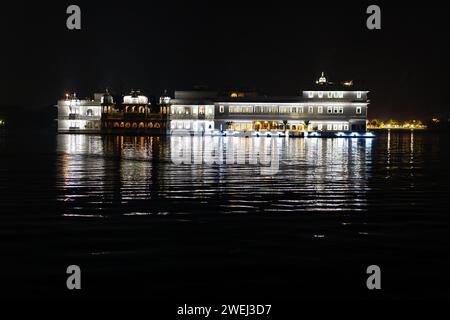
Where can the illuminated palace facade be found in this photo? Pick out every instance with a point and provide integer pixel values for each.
(326, 110)
(135, 114)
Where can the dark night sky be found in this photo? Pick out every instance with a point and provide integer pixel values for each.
(278, 47)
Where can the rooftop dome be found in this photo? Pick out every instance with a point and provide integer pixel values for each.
(107, 98)
(135, 97)
(322, 79)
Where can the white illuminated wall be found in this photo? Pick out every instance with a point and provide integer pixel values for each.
(79, 115)
(192, 126)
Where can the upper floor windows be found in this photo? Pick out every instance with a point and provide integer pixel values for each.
(320, 109)
(335, 109)
(358, 94)
(221, 109)
(358, 110)
(238, 109)
(310, 109)
(327, 94)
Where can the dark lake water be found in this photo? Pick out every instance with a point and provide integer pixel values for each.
(227, 218)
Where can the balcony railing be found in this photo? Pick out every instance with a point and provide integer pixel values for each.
(74, 116)
(183, 116)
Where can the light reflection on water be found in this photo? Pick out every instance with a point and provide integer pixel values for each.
(144, 175)
(121, 208)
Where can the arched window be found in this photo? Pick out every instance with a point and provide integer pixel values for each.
(89, 113)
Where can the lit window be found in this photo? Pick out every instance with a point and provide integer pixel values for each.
(358, 94)
(221, 109)
(320, 94)
(335, 127)
(330, 109)
(340, 94)
(340, 127)
(310, 109)
(330, 94)
(358, 110)
(320, 109)
(336, 109)
(319, 127)
(329, 127)
(301, 110)
(345, 127)
(311, 94)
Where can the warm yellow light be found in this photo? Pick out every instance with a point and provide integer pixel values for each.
(348, 83)
(234, 95)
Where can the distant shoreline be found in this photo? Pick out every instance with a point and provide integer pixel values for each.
(403, 129)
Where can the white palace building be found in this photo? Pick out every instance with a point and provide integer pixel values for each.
(325, 110)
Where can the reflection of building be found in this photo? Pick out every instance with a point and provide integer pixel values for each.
(325, 110)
